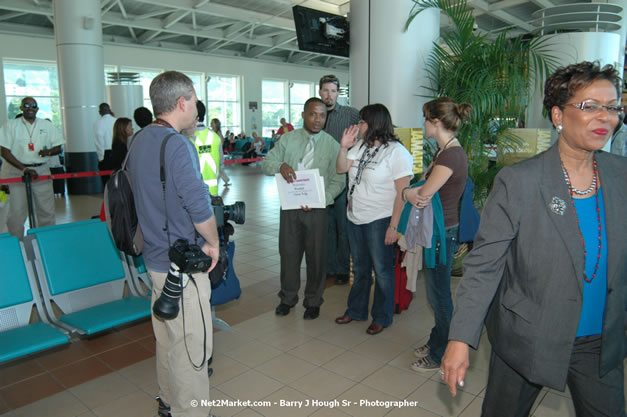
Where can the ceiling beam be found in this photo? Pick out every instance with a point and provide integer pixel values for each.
(277, 42)
(229, 12)
(9, 16)
(495, 10)
(122, 9)
(148, 35)
(174, 18)
(545, 4)
(153, 14)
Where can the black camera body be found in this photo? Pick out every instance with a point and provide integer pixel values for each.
(189, 258)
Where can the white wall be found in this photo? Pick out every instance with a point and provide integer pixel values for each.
(251, 71)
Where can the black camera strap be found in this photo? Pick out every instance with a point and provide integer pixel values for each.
(191, 278)
(162, 178)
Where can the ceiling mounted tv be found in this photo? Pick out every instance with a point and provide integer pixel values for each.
(321, 32)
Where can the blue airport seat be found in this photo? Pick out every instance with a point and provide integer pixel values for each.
(19, 337)
(82, 272)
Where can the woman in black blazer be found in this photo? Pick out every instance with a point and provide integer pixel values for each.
(548, 268)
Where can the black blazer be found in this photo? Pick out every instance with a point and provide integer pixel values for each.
(525, 272)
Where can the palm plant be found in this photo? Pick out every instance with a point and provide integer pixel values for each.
(495, 74)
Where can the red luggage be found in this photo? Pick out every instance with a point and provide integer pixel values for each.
(402, 296)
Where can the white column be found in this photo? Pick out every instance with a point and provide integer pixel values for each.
(80, 58)
(570, 48)
(387, 65)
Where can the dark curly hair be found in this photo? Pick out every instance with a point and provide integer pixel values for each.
(380, 126)
(564, 83)
(449, 113)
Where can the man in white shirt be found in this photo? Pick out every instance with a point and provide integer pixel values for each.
(27, 144)
(103, 130)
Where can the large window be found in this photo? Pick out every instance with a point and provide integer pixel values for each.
(223, 102)
(273, 105)
(32, 78)
(196, 78)
(300, 92)
(145, 78)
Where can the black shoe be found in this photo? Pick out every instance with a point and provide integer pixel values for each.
(311, 313)
(164, 409)
(282, 310)
(341, 279)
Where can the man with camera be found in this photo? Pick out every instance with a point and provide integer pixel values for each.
(305, 230)
(179, 230)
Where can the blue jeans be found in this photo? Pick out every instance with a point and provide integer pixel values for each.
(438, 282)
(338, 262)
(369, 251)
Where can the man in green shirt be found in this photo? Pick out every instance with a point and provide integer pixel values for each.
(305, 230)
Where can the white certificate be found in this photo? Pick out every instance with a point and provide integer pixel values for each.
(306, 190)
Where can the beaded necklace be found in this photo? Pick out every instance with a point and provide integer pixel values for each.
(571, 190)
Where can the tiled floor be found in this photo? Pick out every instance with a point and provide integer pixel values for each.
(265, 357)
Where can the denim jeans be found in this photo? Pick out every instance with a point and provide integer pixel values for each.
(338, 262)
(369, 251)
(438, 282)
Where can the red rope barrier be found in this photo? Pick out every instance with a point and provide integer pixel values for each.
(71, 175)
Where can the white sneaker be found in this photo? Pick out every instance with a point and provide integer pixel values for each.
(425, 364)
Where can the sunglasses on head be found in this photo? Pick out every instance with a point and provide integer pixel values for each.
(30, 105)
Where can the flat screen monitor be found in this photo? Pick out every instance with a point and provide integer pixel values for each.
(321, 32)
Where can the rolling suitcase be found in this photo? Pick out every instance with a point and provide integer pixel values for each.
(402, 296)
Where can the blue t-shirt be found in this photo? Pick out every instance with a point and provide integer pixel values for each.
(595, 292)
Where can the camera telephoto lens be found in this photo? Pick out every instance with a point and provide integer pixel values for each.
(235, 212)
(167, 305)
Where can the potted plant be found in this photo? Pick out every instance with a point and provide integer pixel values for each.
(494, 73)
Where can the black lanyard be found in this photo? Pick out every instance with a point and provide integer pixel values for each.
(364, 160)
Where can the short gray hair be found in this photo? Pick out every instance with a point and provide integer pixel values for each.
(166, 88)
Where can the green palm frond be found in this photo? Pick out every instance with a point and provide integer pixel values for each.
(496, 74)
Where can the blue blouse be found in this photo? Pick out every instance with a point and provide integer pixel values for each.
(595, 292)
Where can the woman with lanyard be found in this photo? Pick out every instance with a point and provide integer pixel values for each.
(447, 175)
(378, 167)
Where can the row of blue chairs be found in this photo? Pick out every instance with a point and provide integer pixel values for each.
(76, 281)
(78, 284)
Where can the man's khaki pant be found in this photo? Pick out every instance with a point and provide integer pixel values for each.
(181, 385)
(43, 200)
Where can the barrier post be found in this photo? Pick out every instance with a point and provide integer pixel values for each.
(29, 198)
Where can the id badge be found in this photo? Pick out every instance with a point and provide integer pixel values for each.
(301, 167)
(349, 205)
(31, 146)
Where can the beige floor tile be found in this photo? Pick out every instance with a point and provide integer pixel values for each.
(248, 413)
(353, 365)
(134, 404)
(62, 404)
(317, 351)
(394, 381)
(253, 354)
(436, 398)
(379, 349)
(228, 341)
(312, 327)
(225, 369)
(251, 385)
(473, 409)
(329, 412)
(345, 335)
(140, 372)
(286, 368)
(103, 390)
(363, 402)
(323, 385)
(553, 405)
(285, 339)
(416, 411)
(225, 406)
(287, 402)
(87, 414)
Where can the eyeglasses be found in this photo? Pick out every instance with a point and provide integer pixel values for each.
(612, 109)
(30, 105)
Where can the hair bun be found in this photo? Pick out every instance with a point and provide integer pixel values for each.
(464, 111)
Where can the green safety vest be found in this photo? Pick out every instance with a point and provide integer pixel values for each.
(208, 148)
